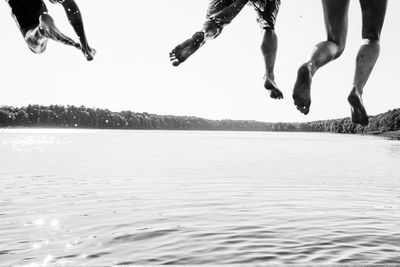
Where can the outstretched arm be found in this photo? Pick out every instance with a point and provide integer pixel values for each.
(75, 19)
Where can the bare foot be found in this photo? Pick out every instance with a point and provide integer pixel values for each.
(301, 92)
(274, 91)
(358, 113)
(186, 49)
(89, 53)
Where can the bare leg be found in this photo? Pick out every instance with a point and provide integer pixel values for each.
(336, 20)
(211, 29)
(75, 19)
(373, 17)
(48, 29)
(269, 48)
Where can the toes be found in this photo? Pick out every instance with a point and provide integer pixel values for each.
(176, 61)
(304, 109)
(301, 109)
(276, 96)
(173, 58)
(275, 93)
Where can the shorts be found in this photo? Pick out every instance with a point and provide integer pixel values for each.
(27, 12)
(267, 11)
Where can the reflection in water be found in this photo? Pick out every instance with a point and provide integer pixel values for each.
(139, 197)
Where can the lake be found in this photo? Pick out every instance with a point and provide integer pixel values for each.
(99, 197)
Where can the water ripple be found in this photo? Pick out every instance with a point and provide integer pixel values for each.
(132, 198)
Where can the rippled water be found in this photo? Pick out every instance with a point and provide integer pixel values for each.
(159, 197)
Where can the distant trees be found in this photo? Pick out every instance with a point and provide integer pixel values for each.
(83, 117)
(385, 122)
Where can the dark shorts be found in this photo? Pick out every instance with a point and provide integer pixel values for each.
(27, 12)
(267, 11)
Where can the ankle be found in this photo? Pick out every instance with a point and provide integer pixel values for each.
(356, 91)
(269, 77)
(199, 37)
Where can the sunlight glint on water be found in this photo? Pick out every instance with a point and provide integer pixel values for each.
(158, 197)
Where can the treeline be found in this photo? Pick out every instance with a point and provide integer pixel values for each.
(83, 117)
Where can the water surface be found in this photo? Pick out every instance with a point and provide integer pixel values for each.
(77, 197)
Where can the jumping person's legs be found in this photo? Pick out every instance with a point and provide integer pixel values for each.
(219, 14)
(75, 19)
(267, 13)
(373, 15)
(336, 21)
(48, 29)
(36, 25)
(269, 48)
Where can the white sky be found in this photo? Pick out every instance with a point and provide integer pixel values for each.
(223, 80)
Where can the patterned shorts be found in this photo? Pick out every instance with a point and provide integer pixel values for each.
(267, 11)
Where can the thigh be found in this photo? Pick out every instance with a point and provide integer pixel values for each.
(216, 6)
(373, 16)
(267, 12)
(336, 19)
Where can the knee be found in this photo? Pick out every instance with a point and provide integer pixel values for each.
(371, 39)
(35, 45)
(211, 29)
(370, 34)
(340, 49)
(39, 49)
(340, 46)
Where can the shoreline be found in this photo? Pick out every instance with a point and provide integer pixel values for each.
(391, 135)
(394, 135)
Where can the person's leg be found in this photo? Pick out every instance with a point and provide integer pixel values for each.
(336, 21)
(269, 48)
(266, 18)
(48, 29)
(373, 15)
(37, 37)
(219, 14)
(75, 19)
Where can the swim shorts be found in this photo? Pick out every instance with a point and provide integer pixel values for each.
(267, 11)
(27, 12)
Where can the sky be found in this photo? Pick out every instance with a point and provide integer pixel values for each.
(223, 80)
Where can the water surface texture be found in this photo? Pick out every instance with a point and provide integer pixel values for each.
(77, 197)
